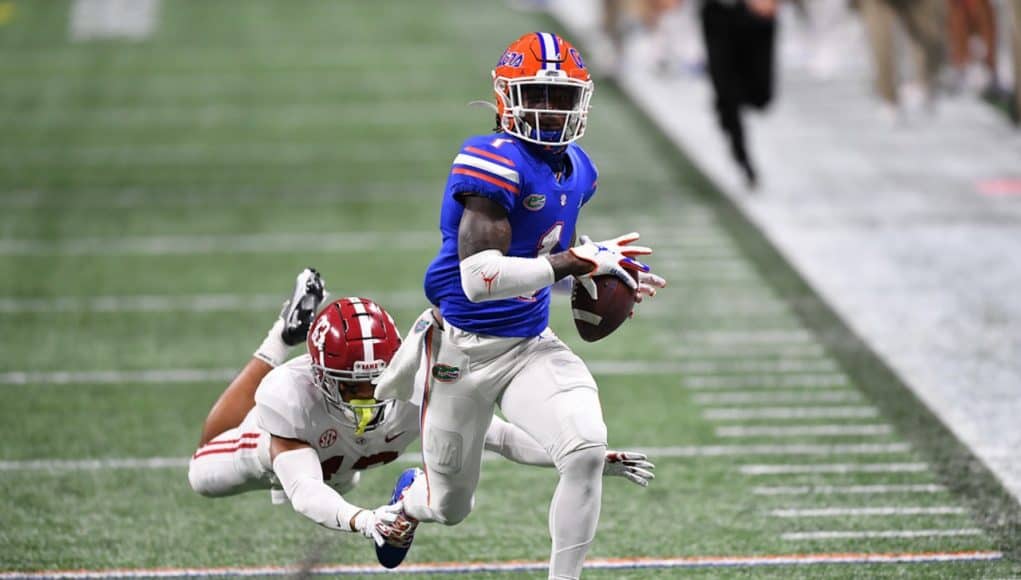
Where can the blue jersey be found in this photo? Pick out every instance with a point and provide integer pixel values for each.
(542, 212)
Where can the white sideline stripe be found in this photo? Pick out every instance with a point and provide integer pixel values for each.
(219, 244)
(746, 351)
(117, 377)
(729, 413)
(761, 382)
(847, 489)
(709, 367)
(522, 566)
(841, 535)
(680, 451)
(131, 19)
(777, 397)
(801, 430)
(733, 337)
(487, 166)
(192, 302)
(789, 469)
(867, 511)
(606, 368)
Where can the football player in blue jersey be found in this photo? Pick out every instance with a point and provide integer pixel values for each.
(508, 221)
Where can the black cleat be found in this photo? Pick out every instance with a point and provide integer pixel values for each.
(301, 307)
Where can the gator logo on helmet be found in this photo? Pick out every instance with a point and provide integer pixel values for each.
(446, 373)
(576, 57)
(535, 202)
(511, 58)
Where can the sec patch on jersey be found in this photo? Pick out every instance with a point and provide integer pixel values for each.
(597, 319)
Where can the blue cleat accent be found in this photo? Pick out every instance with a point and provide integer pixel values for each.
(397, 537)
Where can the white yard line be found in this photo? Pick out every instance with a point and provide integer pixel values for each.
(220, 244)
(876, 534)
(678, 451)
(104, 19)
(603, 368)
(867, 511)
(791, 469)
(803, 430)
(118, 377)
(797, 351)
(847, 489)
(739, 397)
(187, 303)
(820, 380)
(732, 413)
(734, 337)
(519, 566)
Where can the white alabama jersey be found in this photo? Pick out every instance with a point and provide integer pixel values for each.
(288, 404)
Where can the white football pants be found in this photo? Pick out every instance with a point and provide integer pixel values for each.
(233, 462)
(238, 460)
(543, 388)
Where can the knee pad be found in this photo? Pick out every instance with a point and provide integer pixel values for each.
(584, 462)
(451, 508)
(580, 430)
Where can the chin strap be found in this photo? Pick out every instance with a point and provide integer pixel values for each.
(364, 414)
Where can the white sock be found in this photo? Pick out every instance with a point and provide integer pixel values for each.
(273, 350)
(574, 511)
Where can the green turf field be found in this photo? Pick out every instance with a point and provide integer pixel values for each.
(158, 196)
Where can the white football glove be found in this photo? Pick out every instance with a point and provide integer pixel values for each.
(366, 520)
(648, 284)
(610, 257)
(630, 465)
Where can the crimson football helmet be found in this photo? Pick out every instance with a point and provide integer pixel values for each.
(542, 90)
(351, 341)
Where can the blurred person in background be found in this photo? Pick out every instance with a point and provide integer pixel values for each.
(968, 19)
(740, 45)
(1015, 13)
(925, 24)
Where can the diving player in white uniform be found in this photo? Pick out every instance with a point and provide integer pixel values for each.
(508, 218)
(310, 425)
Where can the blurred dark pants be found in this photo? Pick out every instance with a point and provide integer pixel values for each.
(739, 49)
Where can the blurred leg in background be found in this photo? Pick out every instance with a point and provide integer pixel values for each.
(968, 19)
(739, 49)
(1014, 10)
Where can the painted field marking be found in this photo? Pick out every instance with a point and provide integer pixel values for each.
(118, 377)
(738, 397)
(732, 413)
(604, 368)
(525, 566)
(798, 351)
(847, 489)
(677, 451)
(187, 303)
(866, 511)
(875, 534)
(101, 19)
(790, 469)
(733, 337)
(219, 244)
(813, 380)
(803, 430)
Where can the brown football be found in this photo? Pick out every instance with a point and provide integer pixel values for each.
(597, 319)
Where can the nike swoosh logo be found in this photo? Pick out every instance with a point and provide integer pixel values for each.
(388, 438)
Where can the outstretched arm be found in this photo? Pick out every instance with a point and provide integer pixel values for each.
(297, 467)
(516, 445)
